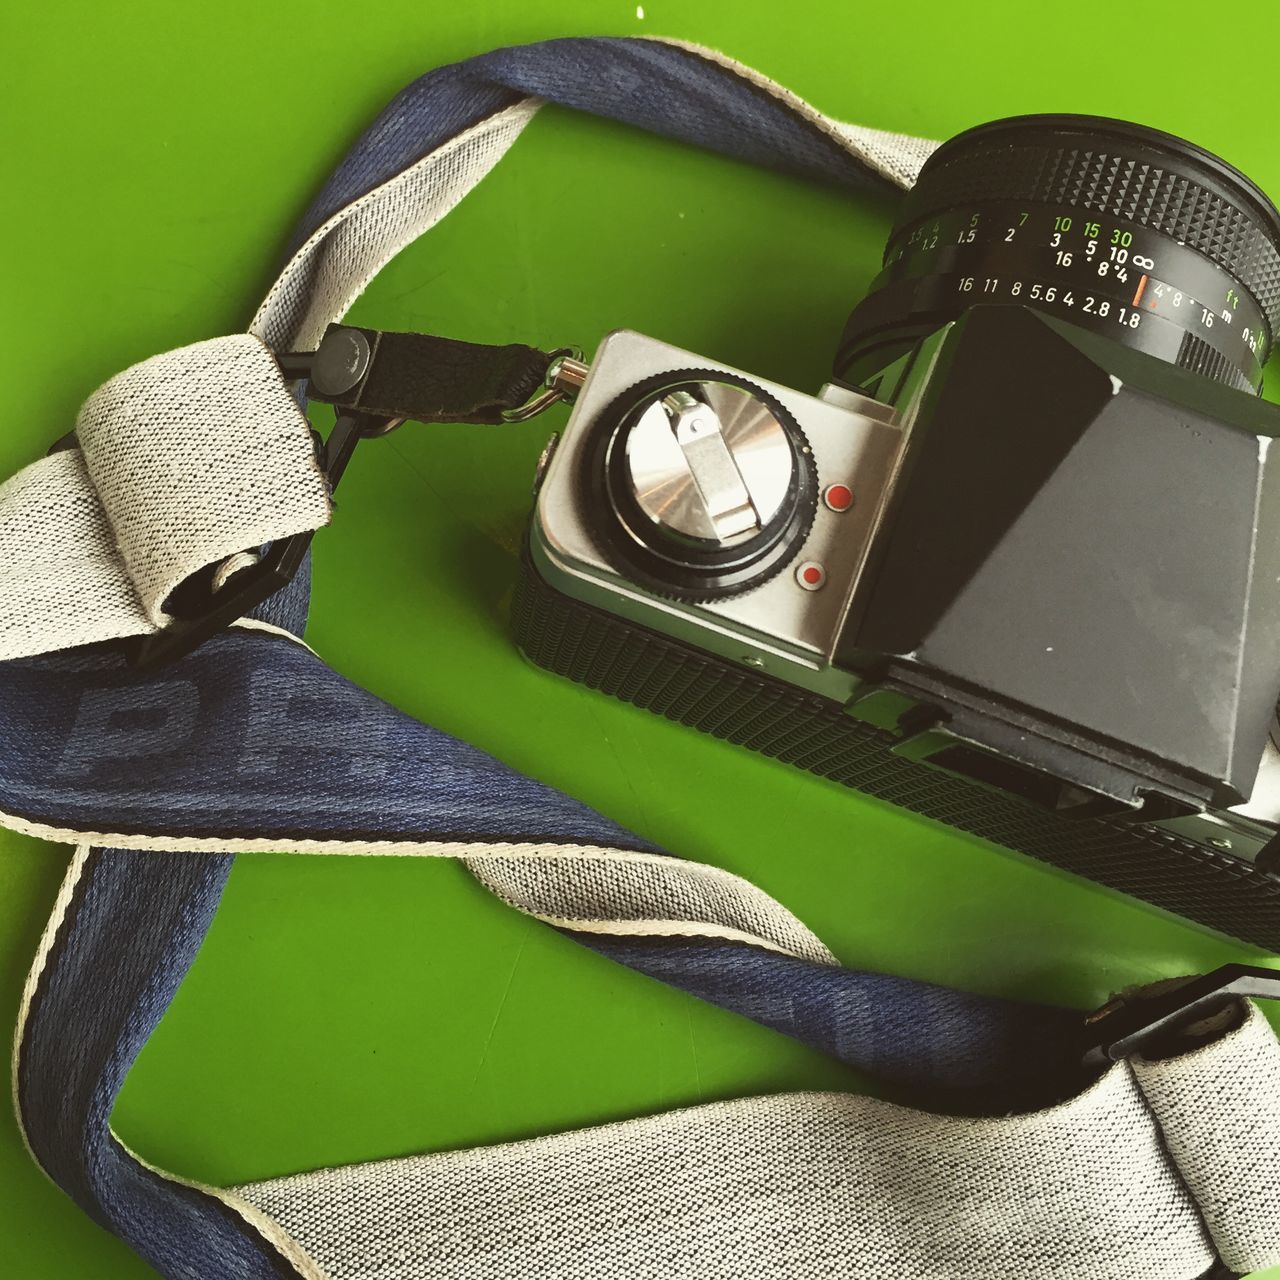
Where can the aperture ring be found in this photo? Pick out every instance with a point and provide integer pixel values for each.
(1111, 184)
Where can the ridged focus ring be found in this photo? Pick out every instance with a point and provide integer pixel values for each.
(1135, 235)
(1115, 177)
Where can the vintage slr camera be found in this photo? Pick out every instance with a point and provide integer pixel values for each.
(1017, 566)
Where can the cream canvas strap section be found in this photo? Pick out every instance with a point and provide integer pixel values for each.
(806, 1184)
(182, 461)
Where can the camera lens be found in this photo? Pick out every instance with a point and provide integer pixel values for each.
(1115, 227)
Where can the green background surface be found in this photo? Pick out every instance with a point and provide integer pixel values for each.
(155, 156)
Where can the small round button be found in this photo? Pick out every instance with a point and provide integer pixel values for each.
(837, 497)
(811, 575)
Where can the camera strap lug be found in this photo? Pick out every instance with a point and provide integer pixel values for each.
(1131, 1022)
(375, 381)
(563, 380)
(426, 378)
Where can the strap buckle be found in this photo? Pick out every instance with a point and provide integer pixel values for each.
(1126, 1024)
(376, 381)
(209, 602)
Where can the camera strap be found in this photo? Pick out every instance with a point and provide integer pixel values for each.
(1014, 1157)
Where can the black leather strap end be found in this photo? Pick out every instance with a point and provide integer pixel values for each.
(424, 378)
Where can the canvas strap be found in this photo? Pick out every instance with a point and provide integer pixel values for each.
(1159, 1169)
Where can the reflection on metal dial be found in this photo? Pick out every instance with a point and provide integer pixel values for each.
(697, 483)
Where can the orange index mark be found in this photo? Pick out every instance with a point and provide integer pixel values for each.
(1137, 297)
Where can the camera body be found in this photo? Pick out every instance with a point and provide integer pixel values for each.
(973, 643)
(1016, 568)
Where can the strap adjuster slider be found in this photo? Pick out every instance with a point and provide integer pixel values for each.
(1126, 1024)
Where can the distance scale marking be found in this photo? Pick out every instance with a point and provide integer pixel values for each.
(1100, 274)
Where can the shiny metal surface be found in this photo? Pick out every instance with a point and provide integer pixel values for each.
(564, 378)
(709, 462)
(566, 374)
(696, 427)
(783, 629)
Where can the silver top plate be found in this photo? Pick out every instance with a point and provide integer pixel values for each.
(784, 626)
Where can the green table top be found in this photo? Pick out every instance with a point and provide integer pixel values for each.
(352, 1008)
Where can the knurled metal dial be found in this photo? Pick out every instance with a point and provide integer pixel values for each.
(703, 483)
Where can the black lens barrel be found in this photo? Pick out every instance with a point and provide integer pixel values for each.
(1095, 220)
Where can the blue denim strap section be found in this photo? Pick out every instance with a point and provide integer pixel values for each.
(219, 763)
(223, 749)
(654, 85)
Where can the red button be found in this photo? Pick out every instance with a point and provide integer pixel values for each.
(811, 575)
(838, 497)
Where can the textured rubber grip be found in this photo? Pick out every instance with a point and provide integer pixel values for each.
(776, 719)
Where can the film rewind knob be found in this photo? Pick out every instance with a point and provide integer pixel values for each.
(710, 483)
